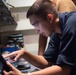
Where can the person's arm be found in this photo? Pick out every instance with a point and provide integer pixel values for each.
(36, 60)
(65, 6)
(53, 70)
(42, 44)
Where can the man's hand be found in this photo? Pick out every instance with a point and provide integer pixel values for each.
(13, 71)
(14, 56)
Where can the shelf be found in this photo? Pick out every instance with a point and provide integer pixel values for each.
(22, 25)
(19, 9)
(19, 15)
(21, 3)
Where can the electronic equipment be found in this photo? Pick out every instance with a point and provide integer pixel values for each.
(4, 65)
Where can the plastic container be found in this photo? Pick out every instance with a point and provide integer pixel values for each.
(9, 49)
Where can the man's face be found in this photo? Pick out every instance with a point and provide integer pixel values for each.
(44, 27)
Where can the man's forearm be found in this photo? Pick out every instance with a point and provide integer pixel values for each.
(36, 60)
(53, 70)
(42, 44)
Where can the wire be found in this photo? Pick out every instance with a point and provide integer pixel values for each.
(10, 5)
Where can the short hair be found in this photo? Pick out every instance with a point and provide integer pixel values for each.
(41, 8)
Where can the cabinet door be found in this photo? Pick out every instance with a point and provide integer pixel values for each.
(21, 3)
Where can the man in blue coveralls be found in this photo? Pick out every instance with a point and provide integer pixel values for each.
(60, 56)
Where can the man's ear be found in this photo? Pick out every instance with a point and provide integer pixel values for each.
(50, 17)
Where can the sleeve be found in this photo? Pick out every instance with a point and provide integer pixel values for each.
(67, 51)
(52, 50)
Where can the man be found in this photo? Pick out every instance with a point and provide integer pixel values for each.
(60, 57)
(62, 6)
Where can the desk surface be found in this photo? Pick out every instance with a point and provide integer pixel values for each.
(32, 68)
